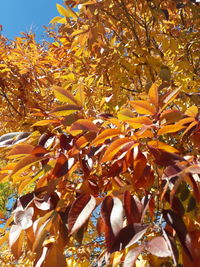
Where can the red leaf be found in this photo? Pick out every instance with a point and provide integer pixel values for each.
(80, 212)
(133, 208)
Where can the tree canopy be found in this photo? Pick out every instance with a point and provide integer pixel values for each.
(100, 137)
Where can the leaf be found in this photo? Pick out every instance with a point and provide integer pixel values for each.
(80, 211)
(56, 19)
(119, 145)
(128, 236)
(169, 97)
(83, 125)
(80, 96)
(133, 208)
(158, 247)
(20, 150)
(139, 122)
(106, 210)
(125, 114)
(153, 95)
(14, 234)
(64, 95)
(54, 257)
(143, 107)
(16, 239)
(192, 111)
(45, 122)
(176, 222)
(23, 218)
(116, 216)
(132, 256)
(65, 110)
(170, 116)
(66, 12)
(61, 167)
(163, 146)
(106, 134)
(173, 128)
(25, 163)
(165, 158)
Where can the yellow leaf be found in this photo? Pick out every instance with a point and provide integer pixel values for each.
(45, 122)
(192, 111)
(55, 20)
(65, 110)
(64, 95)
(66, 12)
(125, 114)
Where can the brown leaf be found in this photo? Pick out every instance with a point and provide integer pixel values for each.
(61, 167)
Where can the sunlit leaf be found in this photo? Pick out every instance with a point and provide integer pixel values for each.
(143, 107)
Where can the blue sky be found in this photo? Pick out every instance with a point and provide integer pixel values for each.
(21, 15)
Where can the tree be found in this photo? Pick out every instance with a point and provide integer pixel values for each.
(107, 171)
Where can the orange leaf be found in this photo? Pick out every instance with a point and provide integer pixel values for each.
(139, 122)
(83, 125)
(163, 146)
(106, 134)
(119, 145)
(37, 155)
(169, 97)
(172, 128)
(143, 107)
(153, 95)
(193, 124)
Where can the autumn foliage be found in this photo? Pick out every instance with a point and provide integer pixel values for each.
(106, 163)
